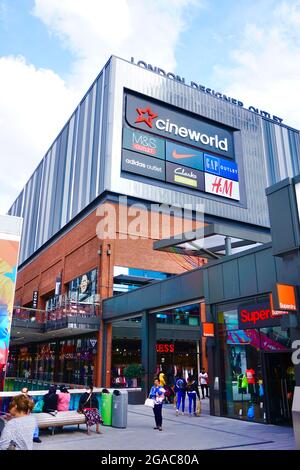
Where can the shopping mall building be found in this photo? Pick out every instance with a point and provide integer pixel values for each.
(151, 197)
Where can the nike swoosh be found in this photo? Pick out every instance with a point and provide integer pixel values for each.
(182, 155)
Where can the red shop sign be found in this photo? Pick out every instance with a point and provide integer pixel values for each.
(165, 348)
(256, 316)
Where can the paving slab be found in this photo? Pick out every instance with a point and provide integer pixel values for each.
(179, 433)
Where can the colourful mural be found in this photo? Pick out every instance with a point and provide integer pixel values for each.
(8, 267)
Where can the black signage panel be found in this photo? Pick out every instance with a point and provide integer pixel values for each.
(256, 316)
(35, 298)
(146, 115)
(143, 165)
(183, 176)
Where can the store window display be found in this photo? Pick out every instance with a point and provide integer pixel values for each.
(257, 377)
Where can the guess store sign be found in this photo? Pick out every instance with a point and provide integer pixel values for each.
(165, 348)
(256, 316)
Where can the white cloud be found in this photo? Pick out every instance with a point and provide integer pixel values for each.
(34, 104)
(93, 30)
(267, 64)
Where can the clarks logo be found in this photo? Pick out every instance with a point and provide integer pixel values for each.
(165, 125)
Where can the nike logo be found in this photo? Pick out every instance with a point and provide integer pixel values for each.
(182, 155)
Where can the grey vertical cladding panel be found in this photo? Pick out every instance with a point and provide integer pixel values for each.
(282, 153)
(231, 280)
(40, 206)
(54, 184)
(72, 167)
(45, 196)
(265, 269)
(48, 200)
(79, 137)
(82, 159)
(89, 148)
(294, 140)
(104, 130)
(67, 175)
(35, 207)
(215, 284)
(59, 194)
(26, 222)
(85, 161)
(273, 169)
(247, 275)
(96, 137)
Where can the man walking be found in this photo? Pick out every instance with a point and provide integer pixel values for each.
(203, 379)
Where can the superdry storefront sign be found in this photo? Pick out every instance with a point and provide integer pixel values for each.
(148, 116)
(256, 316)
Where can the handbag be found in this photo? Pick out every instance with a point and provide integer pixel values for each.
(38, 407)
(149, 402)
(80, 410)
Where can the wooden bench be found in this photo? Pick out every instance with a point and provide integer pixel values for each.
(62, 418)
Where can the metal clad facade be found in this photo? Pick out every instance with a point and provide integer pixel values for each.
(67, 179)
(85, 159)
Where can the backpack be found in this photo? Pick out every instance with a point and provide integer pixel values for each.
(180, 384)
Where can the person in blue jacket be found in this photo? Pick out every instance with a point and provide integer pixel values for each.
(180, 390)
(157, 393)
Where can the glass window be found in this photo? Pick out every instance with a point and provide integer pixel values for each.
(83, 288)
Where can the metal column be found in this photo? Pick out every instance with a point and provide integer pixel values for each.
(148, 349)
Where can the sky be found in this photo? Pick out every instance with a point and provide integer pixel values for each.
(52, 50)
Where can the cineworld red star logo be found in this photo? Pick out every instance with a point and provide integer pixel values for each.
(145, 115)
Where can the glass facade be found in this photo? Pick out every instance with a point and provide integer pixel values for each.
(69, 361)
(256, 373)
(126, 279)
(177, 348)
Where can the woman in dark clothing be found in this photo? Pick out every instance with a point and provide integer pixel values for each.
(193, 392)
(89, 406)
(50, 401)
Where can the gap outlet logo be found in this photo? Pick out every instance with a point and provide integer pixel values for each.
(164, 120)
(221, 167)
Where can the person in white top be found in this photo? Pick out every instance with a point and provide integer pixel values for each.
(203, 379)
(18, 432)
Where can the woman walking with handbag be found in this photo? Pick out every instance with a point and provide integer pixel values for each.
(89, 406)
(157, 393)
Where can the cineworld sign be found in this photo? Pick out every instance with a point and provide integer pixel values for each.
(145, 115)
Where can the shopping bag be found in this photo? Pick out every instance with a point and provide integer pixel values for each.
(250, 412)
(149, 402)
(198, 410)
(38, 407)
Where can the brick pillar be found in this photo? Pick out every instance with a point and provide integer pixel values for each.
(105, 289)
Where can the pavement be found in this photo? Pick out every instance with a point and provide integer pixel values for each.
(179, 433)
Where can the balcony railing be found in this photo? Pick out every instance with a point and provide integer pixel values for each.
(61, 316)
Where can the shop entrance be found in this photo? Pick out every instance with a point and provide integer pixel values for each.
(280, 382)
